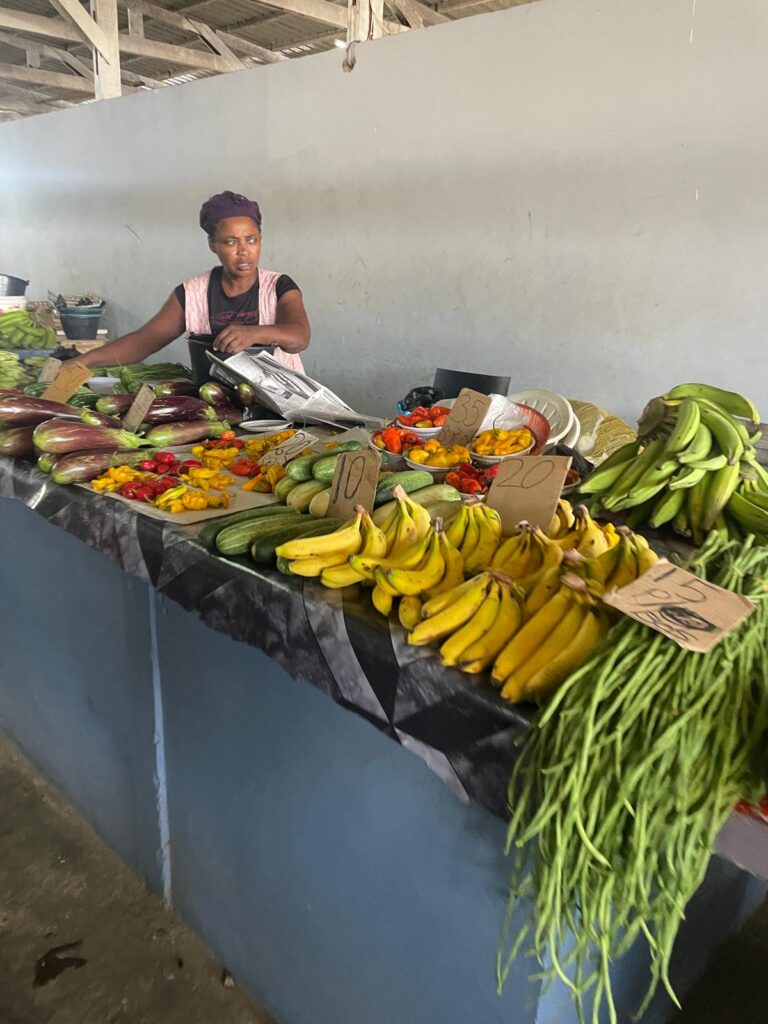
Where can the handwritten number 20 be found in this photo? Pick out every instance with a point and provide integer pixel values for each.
(524, 475)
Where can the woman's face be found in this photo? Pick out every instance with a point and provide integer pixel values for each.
(237, 243)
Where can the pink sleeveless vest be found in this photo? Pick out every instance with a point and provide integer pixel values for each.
(198, 321)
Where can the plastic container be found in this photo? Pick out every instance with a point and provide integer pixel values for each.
(10, 285)
(450, 382)
(80, 326)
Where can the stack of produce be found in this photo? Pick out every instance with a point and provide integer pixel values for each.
(425, 418)
(623, 783)
(693, 465)
(433, 453)
(230, 403)
(498, 443)
(134, 375)
(18, 330)
(13, 373)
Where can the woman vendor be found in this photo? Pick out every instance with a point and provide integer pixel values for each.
(233, 307)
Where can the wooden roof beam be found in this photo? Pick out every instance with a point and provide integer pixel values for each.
(55, 28)
(178, 20)
(417, 14)
(87, 29)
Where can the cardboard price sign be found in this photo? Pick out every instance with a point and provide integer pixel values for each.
(692, 612)
(282, 453)
(50, 370)
(139, 407)
(68, 380)
(465, 418)
(527, 487)
(354, 483)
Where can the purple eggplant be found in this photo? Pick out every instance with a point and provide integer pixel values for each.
(28, 412)
(115, 405)
(231, 413)
(217, 394)
(244, 394)
(80, 467)
(175, 408)
(169, 434)
(100, 419)
(17, 442)
(60, 437)
(175, 387)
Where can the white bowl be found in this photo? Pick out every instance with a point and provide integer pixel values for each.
(264, 426)
(554, 407)
(390, 461)
(493, 460)
(438, 472)
(423, 433)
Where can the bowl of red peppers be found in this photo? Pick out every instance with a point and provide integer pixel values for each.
(392, 443)
(423, 422)
(468, 479)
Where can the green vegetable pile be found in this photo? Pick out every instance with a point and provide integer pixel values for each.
(624, 782)
(136, 374)
(18, 331)
(13, 372)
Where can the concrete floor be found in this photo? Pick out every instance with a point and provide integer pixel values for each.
(81, 942)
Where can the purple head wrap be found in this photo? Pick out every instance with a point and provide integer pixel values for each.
(227, 204)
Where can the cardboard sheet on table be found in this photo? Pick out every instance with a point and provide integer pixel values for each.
(240, 500)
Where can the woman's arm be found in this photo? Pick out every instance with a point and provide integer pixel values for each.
(158, 332)
(291, 331)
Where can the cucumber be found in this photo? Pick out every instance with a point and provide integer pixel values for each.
(410, 480)
(284, 487)
(435, 492)
(324, 469)
(208, 534)
(318, 507)
(301, 496)
(237, 539)
(446, 510)
(301, 469)
(284, 566)
(263, 550)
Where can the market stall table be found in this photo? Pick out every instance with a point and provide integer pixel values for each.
(338, 880)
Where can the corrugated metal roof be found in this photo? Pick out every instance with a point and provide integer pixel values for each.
(285, 32)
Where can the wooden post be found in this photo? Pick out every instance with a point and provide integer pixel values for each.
(107, 67)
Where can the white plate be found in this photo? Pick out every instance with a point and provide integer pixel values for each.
(557, 410)
(264, 426)
(573, 434)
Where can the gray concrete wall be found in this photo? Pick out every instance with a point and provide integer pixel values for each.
(571, 192)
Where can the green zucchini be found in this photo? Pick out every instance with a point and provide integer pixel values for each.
(284, 566)
(209, 533)
(237, 539)
(301, 469)
(263, 550)
(284, 487)
(301, 496)
(410, 480)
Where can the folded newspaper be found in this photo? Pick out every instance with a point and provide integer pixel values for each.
(293, 395)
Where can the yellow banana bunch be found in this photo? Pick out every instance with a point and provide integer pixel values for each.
(309, 556)
(374, 546)
(527, 556)
(562, 633)
(440, 568)
(481, 539)
(562, 520)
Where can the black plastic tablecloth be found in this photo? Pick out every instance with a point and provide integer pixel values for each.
(457, 724)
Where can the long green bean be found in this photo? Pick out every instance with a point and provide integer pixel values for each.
(623, 783)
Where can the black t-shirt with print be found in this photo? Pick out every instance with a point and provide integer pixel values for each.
(242, 309)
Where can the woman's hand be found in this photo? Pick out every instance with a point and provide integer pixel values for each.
(235, 338)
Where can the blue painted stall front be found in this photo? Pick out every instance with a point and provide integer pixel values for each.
(335, 876)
